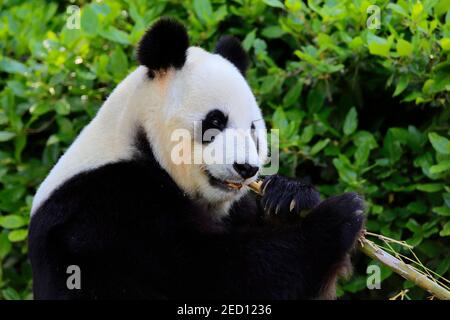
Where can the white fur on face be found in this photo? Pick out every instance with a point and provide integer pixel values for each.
(208, 82)
(174, 100)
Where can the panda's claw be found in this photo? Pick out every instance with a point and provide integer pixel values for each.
(292, 205)
(286, 197)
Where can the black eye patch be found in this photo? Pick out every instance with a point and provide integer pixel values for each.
(215, 121)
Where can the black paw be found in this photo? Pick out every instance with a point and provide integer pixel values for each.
(338, 221)
(285, 197)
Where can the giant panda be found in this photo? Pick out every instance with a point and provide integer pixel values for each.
(139, 226)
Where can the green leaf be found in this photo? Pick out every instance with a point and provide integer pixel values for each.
(62, 107)
(443, 266)
(293, 94)
(416, 139)
(357, 284)
(12, 221)
(307, 57)
(417, 10)
(274, 3)
(345, 172)
(10, 294)
(446, 197)
(307, 134)
(6, 135)
(260, 47)
(362, 154)
(19, 145)
(17, 87)
(356, 43)
(249, 40)
(279, 120)
(378, 46)
(350, 122)
(401, 85)
(89, 21)
(293, 5)
(414, 226)
(442, 211)
(268, 84)
(440, 143)
(220, 14)
(365, 137)
(118, 63)
(440, 167)
(442, 7)
(445, 44)
(272, 32)
(315, 100)
(18, 235)
(413, 96)
(319, 146)
(445, 230)
(12, 66)
(5, 246)
(377, 209)
(203, 10)
(116, 35)
(398, 9)
(430, 187)
(404, 48)
(417, 207)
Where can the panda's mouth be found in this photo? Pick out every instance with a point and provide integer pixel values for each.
(223, 184)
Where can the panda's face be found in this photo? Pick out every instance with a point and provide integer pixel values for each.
(228, 124)
(209, 98)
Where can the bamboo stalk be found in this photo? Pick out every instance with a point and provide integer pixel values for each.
(403, 269)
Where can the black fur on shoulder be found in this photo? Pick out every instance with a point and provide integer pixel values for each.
(231, 49)
(285, 197)
(163, 46)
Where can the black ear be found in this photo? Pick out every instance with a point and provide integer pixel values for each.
(163, 46)
(230, 48)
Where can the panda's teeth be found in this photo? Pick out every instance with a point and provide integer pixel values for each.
(223, 183)
(234, 185)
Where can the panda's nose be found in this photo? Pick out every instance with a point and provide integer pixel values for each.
(245, 170)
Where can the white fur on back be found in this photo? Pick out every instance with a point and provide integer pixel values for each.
(105, 139)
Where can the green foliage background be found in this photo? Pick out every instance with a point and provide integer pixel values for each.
(358, 109)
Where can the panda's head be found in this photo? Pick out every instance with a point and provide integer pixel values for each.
(199, 103)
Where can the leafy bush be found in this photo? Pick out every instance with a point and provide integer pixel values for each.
(358, 109)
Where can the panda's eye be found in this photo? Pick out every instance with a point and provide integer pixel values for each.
(213, 123)
(215, 119)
